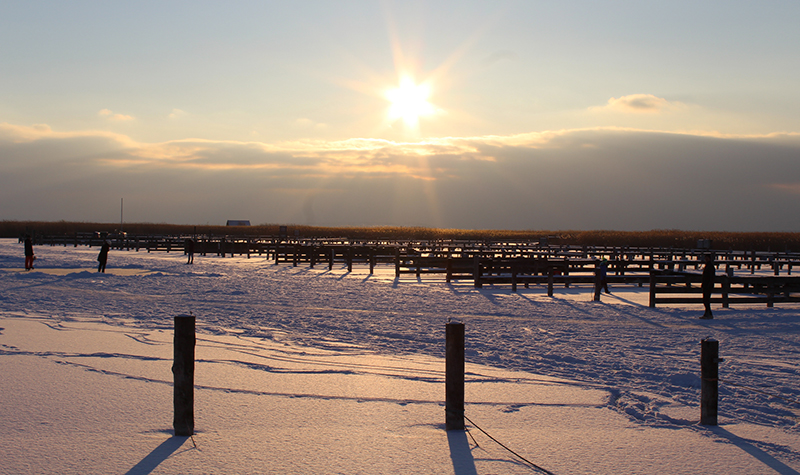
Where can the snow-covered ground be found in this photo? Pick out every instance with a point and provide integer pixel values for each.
(314, 371)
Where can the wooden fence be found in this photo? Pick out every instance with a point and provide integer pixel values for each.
(676, 287)
(667, 271)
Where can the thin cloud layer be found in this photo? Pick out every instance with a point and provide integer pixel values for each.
(639, 104)
(110, 115)
(605, 178)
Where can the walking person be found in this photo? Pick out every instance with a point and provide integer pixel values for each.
(188, 246)
(600, 278)
(708, 286)
(29, 257)
(103, 257)
(604, 275)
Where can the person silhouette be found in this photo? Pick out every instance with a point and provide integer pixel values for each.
(103, 257)
(189, 248)
(29, 257)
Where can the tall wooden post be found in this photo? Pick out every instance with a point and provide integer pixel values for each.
(726, 289)
(371, 260)
(183, 371)
(454, 377)
(349, 259)
(513, 278)
(652, 287)
(597, 284)
(476, 272)
(709, 389)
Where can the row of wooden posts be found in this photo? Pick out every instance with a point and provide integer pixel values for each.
(184, 357)
(488, 264)
(427, 255)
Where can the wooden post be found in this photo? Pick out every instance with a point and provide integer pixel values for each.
(371, 260)
(349, 259)
(652, 288)
(709, 389)
(726, 289)
(513, 278)
(770, 294)
(183, 371)
(449, 269)
(550, 281)
(597, 284)
(454, 377)
(476, 272)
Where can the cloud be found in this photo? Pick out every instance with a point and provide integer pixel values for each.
(177, 113)
(108, 114)
(604, 178)
(639, 104)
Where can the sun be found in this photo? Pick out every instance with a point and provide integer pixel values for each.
(409, 102)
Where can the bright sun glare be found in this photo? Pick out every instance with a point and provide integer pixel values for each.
(409, 101)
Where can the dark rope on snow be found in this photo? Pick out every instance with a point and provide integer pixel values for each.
(533, 465)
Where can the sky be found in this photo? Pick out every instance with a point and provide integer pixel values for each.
(454, 114)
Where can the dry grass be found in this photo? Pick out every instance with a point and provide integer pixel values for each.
(655, 238)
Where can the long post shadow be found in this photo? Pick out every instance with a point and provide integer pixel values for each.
(460, 453)
(158, 455)
(757, 453)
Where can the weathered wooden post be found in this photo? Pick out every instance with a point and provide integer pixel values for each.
(597, 283)
(349, 259)
(183, 371)
(449, 269)
(454, 376)
(726, 289)
(770, 294)
(476, 272)
(371, 260)
(709, 386)
(550, 281)
(652, 287)
(513, 277)
(397, 262)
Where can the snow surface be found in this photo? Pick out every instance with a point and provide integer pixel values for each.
(305, 370)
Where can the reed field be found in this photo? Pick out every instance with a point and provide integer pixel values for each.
(760, 241)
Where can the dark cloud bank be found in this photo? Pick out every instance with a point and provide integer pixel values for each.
(581, 179)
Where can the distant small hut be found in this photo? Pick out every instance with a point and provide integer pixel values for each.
(238, 222)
